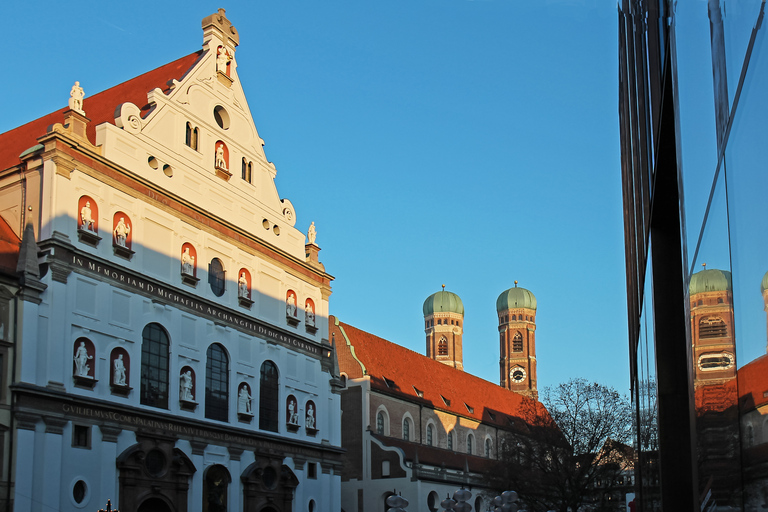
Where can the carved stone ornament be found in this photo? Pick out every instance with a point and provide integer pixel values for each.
(289, 213)
(128, 117)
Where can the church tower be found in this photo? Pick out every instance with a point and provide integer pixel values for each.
(516, 309)
(444, 325)
(715, 386)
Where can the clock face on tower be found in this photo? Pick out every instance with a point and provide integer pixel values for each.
(517, 374)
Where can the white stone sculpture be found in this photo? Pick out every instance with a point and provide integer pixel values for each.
(244, 401)
(86, 217)
(242, 286)
(185, 387)
(222, 59)
(118, 378)
(309, 315)
(310, 421)
(220, 163)
(81, 361)
(293, 414)
(312, 233)
(187, 263)
(122, 230)
(290, 305)
(76, 98)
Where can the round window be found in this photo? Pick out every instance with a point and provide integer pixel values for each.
(155, 462)
(221, 116)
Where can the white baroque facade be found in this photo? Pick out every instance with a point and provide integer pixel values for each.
(173, 350)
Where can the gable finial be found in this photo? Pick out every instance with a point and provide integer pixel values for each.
(515, 283)
(443, 287)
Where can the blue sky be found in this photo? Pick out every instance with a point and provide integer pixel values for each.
(465, 143)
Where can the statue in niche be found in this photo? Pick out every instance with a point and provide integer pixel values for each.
(220, 163)
(187, 263)
(86, 217)
(185, 387)
(222, 60)
(81, 360)
(310, 421)
(244, 401)
(309, 315)
(293, 414)
(242, 286)
(312, 233)
(118, 378)
(76, 98)
(290, 305)
(122, 230)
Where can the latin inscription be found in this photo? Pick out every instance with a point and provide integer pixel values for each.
(164, 294)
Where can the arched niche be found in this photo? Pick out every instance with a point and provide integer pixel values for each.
(187, 388)
(310, 417)
(292, 413)
(189, 264)
(291, 308)
(88, 221)
(244, 288)
(122, 235)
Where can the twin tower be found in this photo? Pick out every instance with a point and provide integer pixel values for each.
(516, 310)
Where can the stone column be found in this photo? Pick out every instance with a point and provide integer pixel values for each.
(234, 496)
(198, 452)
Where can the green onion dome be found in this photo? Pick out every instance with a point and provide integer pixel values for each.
(515, 298)
(443, 302)
(711, 280)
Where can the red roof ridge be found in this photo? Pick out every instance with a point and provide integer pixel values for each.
(406, 369)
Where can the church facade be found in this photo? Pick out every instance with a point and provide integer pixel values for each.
(172, 319)
(420, 426)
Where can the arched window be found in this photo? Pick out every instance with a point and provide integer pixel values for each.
(268, 396)
(517, 343)
(380, 423)
(188, 137)
(215, 485)
(406, 429)
(450, 440)
(488, 448)
(245, 169)
(514, 317)
(429, 434)
(154, 366)
(470, 442)
(217, 277)
(217, 383)
(442, 347)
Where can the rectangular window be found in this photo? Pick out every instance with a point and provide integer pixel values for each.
(81, 436)
(312, 470)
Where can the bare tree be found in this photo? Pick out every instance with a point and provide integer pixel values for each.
(575, 452)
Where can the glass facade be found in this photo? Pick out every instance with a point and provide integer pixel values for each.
(694, 121)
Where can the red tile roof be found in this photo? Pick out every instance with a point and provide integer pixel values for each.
(396, 371)
(753, 384)
(9, 248)
(99, 108)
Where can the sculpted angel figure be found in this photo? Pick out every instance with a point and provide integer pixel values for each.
(222, 59)
(81, 360)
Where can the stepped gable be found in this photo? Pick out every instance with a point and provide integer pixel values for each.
(405, 369)
(99, 108)
(9, 248)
